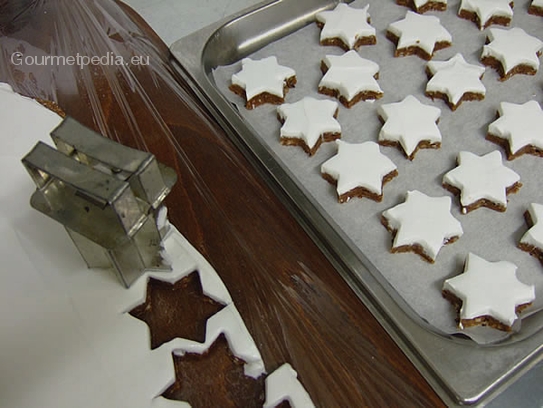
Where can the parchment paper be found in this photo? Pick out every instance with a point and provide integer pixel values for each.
(487, 233)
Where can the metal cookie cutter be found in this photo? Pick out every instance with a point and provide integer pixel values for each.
(108, 197)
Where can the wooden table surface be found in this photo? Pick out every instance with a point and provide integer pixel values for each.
(296, 306)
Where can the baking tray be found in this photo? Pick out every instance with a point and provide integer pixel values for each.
(441, 359)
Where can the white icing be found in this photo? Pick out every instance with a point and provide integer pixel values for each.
(350, 74)
(259, 76)
(489, 289)
(419, 31)
(481, 177)
(228, 322)
(455, 77)
(512, 48)
(212, 285)
(423, 220)
(347, 23)
(358, 165)
(161, 402)
(409, 122)
(16, 111)
(283, 385)
(308, 119)
(486, 9)
(520, 124)
(534, 236)
(537, 3)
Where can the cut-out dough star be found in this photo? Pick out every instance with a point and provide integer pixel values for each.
(349, 25)
(482, 181)
(359, 166)
(420, 32)
(350, 77)
(422, 223)
(512, 48)
(308, 123)
(192, 379)
(410, 124)
(456, 79)
(489, 289)
(487, 11)
(263, 76)
(532, 240)
(172, 322)
(520, 126)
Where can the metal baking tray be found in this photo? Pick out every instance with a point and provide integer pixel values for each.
(441, 359)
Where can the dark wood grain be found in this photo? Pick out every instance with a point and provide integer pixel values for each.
(296, 306)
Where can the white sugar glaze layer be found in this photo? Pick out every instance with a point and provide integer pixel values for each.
(489, 289)
(346, 23)
(308, 119)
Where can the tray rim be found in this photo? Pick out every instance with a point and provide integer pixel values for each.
(421, 345)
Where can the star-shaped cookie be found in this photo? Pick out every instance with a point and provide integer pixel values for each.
(346, 27)
(488, 293)
(532, 240)
(519, 129)
(512, 52)
(358, 170)
(350, 78)
(536, 7)
(411, 125)
(422, 224)
(455, 81)
(262, 81)
(481, 181)
(308, 123)
(487, 12)
(422, 6)
(419, 35)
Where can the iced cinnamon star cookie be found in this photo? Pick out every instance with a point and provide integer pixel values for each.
(536, 8)
(519, 129)
(488, 294)
(455, 81)
(422, 6)
(422, 225)
(481, 181)
(358, 170)
(308, 123)
(262, 81)
(487, 12)
(350, 78)
(532, 240)
(346, 27)
(410, 125)
(418, 35)
(512, 52)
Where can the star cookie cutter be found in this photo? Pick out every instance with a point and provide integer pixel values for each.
(109, 198)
